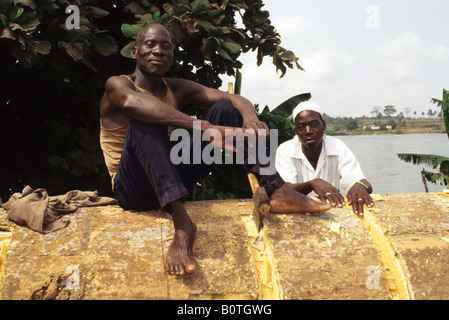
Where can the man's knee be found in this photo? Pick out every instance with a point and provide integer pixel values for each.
(148, 128)
(224, 105)
(223, 112)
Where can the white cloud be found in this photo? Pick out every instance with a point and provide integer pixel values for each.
(402, 55)
(325, 65)
(440, 52)
(408, 58)
(293, 27)
(349, 70)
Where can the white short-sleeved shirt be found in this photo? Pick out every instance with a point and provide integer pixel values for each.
(336, 164)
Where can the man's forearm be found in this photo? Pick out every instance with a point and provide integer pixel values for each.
(157, 112)
(245, 108)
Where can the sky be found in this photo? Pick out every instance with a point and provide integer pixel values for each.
(357, 55)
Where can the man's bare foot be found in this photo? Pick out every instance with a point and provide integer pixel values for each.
(180, 258)
(287, 200)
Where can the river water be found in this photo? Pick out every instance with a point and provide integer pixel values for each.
(388, 174)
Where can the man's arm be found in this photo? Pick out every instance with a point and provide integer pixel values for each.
(323, 189)
(146, 107)
(192, 92)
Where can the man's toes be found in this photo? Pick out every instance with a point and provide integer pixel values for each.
(190, 267)
(179, 271)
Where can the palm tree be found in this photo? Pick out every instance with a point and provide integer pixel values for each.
(436, 162)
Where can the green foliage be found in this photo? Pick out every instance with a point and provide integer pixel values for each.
(280, 118)
(53, 77)
(207, 38)
(349, 124)
(36, 28)
(389, 110)
(435, 161)
(444, 105)
(428, 159)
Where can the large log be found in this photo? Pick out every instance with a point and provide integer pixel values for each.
(398, 251)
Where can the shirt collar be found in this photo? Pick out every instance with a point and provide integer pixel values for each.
(330, 148)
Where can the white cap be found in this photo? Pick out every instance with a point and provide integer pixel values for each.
(307, 105)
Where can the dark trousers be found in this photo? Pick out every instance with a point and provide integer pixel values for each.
(147, 179)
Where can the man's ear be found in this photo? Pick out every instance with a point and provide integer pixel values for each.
(134, 52)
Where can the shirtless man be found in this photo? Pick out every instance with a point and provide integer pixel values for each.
(136, 112)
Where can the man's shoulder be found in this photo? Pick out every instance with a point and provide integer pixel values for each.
(335, 145)
(116, 81)
(334, 141)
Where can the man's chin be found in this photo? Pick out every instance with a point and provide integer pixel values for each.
(311, 144)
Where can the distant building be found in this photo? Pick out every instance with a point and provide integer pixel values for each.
(371, 128)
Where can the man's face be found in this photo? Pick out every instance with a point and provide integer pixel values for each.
(309, 128)
(153, 50)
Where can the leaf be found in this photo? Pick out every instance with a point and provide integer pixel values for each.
(74, 51)
(28, 3)
(126, 51)
(231, 47)
(96, 12)
(129, 31)
(266, 109)
(104, 45)
(205, 24)
(285, 109)
(198, 6)
(162, 19)
(7, 33)
(432, 177)
(287, 55)
(208, 48)
(78, 35)
(15, 13)
(42, 47)
(89, 64)
(31, 25)
(442, 104)
(168, 8)
(427, 159)
(444, 167)
(224, 54)
(15, 26)
(4, 19)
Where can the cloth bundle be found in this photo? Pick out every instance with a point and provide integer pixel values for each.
(43, 213)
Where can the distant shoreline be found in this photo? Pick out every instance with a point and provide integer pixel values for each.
(364, 133)
(384, 126)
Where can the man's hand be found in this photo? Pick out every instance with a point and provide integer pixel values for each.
(225, 137)
(326, 191)
(358, 196)
(260, 128)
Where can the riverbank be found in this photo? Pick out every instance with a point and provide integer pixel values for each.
(372, 126)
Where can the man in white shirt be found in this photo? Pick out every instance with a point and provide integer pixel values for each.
(319, 165)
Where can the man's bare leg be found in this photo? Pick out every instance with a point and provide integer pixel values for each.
(179, 260)
(287, 200)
